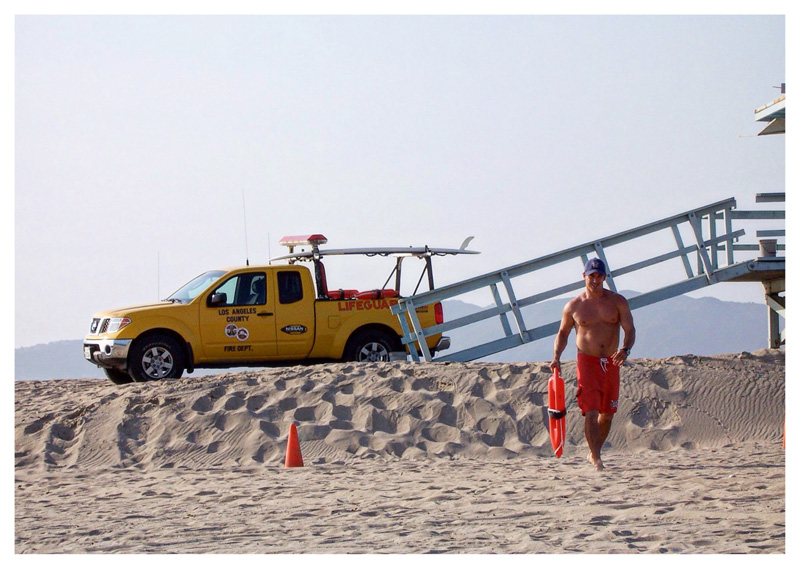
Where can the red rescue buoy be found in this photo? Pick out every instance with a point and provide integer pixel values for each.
(556, 409)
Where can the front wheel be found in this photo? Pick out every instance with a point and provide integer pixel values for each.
(371, 345)
(155, 357)
(118, 377)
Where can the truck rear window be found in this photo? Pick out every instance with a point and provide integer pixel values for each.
(290, 287)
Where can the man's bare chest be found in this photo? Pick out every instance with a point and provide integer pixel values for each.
(589, 314)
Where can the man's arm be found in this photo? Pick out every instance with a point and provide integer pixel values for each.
(567, 323)
(626, 323)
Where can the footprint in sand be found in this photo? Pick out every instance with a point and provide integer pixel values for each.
(256, 403)
(266, 452)
(270, 429)
(346, 388)
(448, 415)
(670, 382)
(342, 412)
(305, 414)
(203, 404)
(220, 421)
(398, 384)
(235, 402)
(38, 424)
(422, 384)
(378, 402)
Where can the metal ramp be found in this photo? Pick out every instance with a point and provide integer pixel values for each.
(704, 241)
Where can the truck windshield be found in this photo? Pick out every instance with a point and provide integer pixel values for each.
(192, 289)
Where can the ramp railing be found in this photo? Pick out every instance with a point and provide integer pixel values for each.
(703, 240)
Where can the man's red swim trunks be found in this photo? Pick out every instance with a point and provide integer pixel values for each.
(598, 384)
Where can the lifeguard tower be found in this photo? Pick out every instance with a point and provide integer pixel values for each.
(706, 245)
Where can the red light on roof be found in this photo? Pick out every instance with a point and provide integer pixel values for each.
(303, 240)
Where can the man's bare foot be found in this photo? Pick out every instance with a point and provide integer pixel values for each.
(597, 463)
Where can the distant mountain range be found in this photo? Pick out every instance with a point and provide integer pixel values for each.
(679, 326)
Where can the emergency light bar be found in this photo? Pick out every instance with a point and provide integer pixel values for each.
(303, 240)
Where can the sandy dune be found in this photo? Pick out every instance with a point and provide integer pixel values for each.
(403, 458)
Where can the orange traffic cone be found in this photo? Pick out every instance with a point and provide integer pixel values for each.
(293, 456)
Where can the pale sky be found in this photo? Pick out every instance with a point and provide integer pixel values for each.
(138, 139)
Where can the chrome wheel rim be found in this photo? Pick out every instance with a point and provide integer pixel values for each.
(373, 351)
(157, 362)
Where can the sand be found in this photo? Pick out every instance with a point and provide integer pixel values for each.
(403, 458)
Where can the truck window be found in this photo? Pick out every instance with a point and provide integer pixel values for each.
(290, 287)
(192, 289)
(248, 289)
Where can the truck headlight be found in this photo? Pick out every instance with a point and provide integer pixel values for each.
(115, 324)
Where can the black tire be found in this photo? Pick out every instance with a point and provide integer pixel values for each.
(118, 377)
(370, 345)
(155, 357)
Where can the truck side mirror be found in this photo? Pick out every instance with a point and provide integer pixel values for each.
(218, 299)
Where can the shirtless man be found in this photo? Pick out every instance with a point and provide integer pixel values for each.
(597, 314)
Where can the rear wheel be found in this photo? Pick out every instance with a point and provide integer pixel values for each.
(155, 357)
(118, 377)
(371, 345)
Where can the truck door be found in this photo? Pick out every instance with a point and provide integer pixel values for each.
(294, 314)
(237, 319)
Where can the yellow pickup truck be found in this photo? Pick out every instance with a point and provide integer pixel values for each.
(275, 314)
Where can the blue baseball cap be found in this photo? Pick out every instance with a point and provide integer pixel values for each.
(595, 266)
